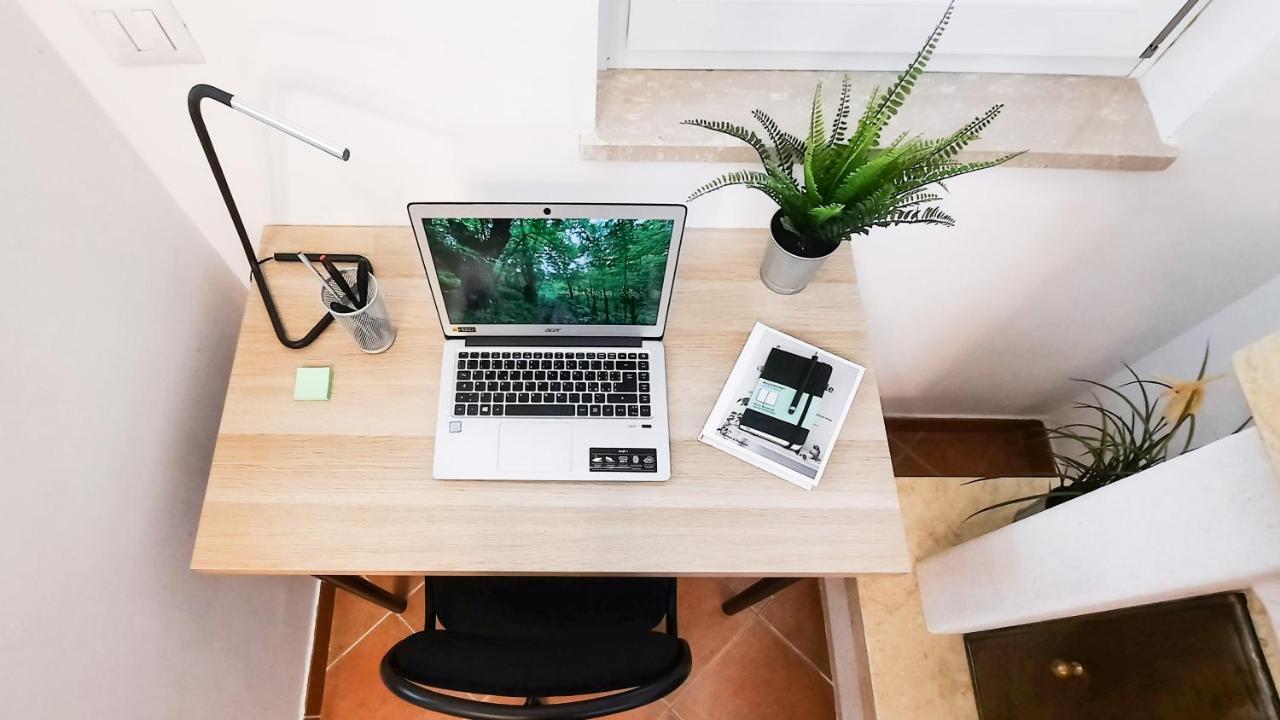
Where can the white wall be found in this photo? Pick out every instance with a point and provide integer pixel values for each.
(1059, 274)
(1050, 273)
(1228, 35)
(120, 324)
(1236, 326)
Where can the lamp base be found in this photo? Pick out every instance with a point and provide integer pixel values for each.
(274, 315)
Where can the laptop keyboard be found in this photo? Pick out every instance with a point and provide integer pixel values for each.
(509, 383)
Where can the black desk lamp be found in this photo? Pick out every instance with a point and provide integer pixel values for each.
(200, 92)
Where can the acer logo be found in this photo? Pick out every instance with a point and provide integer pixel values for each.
(464, 328)
(551, 330)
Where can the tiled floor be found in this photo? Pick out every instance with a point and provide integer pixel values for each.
(768, 662)
(960, 447)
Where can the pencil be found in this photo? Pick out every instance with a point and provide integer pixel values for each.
(314, 271)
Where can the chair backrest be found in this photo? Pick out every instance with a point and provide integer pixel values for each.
(540, 637)
(551, 607)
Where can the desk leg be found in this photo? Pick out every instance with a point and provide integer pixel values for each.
(366, 590)
(759, 590)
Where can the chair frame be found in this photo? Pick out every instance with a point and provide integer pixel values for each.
(534, 708)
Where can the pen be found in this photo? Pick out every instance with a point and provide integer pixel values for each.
(808, 373)
(362, 282)
(341, 281)
(340, 308)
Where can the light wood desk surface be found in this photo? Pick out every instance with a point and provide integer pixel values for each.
(344, 487)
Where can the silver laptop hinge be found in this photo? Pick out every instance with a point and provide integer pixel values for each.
(557, 341)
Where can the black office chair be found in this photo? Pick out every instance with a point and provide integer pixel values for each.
(540, 637)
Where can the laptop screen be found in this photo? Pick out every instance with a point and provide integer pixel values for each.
(550, 271)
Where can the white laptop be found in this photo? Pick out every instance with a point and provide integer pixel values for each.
(553, 317)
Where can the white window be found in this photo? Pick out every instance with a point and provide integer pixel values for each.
(1086, 37)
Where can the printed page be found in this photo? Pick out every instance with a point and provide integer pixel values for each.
(801, 466)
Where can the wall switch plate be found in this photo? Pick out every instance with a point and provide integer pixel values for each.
(141, 32)
(147, 33)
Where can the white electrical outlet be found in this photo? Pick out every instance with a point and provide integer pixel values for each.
(141, 32)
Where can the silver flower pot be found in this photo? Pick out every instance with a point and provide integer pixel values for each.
(784, 271)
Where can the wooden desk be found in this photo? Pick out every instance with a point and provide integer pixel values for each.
(344, 487)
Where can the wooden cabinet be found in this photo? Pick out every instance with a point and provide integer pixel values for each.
(1196, 659)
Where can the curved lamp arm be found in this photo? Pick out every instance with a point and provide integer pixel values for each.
(202, 91)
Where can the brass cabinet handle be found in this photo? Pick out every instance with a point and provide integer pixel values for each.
(1065, 670)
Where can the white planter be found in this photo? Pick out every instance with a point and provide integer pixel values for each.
(1204, 522)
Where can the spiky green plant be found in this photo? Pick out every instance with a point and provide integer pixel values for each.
(1117, 444)
(850, 182)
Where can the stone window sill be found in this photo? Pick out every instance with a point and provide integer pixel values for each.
(1075, 122)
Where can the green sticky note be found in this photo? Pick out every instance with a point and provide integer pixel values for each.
(313, 384)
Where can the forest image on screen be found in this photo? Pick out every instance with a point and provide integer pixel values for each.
(550, 271)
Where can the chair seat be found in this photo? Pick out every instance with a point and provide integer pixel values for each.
(486, 665)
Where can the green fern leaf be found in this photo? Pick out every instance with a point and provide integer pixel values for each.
(882, 110)
(912, 199)
(866, 134)
(737, 177)
(840, 125)
(950, 170)
(823, 213)
(949, 147)
(864, 178)
(817, 129)
(736, 131)
(814, 149)
(788, 149)
(917, 216)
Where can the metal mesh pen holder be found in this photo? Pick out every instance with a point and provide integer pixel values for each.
(370, 325)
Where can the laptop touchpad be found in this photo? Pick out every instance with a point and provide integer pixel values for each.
(534, 447)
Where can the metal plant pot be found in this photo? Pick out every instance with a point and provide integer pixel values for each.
(785, 269)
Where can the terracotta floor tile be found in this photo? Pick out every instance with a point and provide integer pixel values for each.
(900, 433)
(353, 690)
(738, 584)
(907, 463)
(415, 613)
(733, 586)
(758, 677)
(398, 584)
(652, 711)
(702, 623)
(964, 447)
(966, 453)
(352, 618)
(796, 613)
(501, 700)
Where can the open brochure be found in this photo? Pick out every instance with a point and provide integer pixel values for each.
(782, 407)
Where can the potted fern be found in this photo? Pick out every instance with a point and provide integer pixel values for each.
(850, 182)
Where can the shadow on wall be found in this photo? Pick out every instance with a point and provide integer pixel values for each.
(116, 391)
